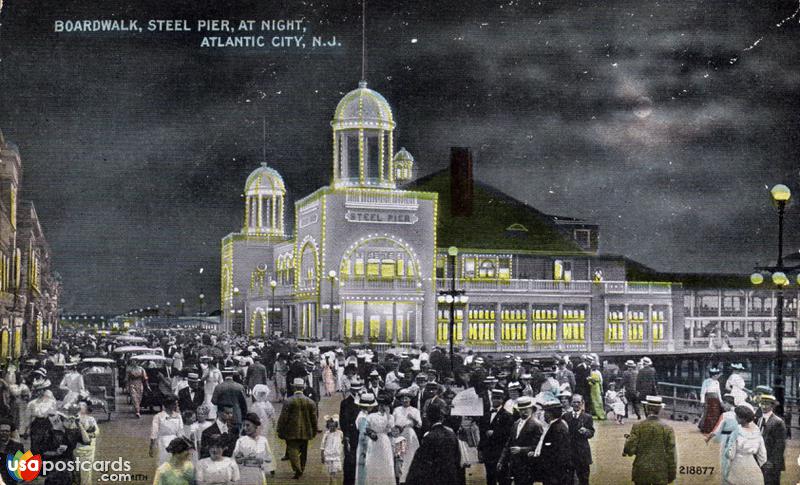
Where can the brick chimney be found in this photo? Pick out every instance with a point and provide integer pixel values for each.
(460, 181)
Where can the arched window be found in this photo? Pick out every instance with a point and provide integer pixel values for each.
(378, 259)
(487, 269)
(308, 267)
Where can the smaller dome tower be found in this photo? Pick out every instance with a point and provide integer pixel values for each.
(403, 166)
(264, 194)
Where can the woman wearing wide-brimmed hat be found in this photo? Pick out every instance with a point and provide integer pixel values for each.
(178, 470)
(252, 452)
(710, 398)
(744, 451)
(375, 457)
(38, 410)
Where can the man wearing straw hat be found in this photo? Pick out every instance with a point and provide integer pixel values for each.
(629, 376)
(525, 434)
(297, 425)
(652, 443)
(773, 429)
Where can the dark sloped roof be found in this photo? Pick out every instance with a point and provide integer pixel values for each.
(492, 213)
(636, 271)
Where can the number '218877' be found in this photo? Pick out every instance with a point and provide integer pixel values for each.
(696, 470)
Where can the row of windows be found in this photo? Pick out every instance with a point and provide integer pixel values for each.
(542, 332)
(378, 327)
(375, 268)
(615, 332)
(516, 315)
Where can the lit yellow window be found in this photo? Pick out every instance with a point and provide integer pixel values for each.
(344, 270)
(387, 268)
(401, 267)
(358, 270)
(469, 267)
(373, 268)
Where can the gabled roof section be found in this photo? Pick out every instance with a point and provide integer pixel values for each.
(493, 212)
(635, 271)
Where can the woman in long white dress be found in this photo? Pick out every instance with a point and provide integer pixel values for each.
(375, 457)
(407, 418)
(252, 452)
(167, 425)
(72, 382)
(217, 469)
(745, 452)
(266, 413)
(211, 377)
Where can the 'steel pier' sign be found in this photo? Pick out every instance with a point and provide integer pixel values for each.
(381, 217)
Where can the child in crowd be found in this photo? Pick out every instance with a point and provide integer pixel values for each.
(615, 402)
(331, 448)
(399, 447)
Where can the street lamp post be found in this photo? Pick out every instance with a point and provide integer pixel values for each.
(272, 285)
(183, 302)
(452, 296)
(780, 197)
(332, 277)
(202, 303)
(232, 311)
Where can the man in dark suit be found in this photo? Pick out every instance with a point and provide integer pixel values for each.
(652, 443)
(773, 429)
(348, 412)
(256, 374)
(495, 427)
(8, 447)
(438, 459)
(552, 456)
(189, 398)
(646, 379)
(223, 427)
(297, 425)
(581, 430)
(582, 372)
(629, 377)
(525, 434)
(230, 392)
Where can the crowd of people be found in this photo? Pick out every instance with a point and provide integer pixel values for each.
(404, 417)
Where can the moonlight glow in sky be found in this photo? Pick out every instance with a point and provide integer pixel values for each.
(664, 122)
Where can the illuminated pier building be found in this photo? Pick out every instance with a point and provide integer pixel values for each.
(369, 253)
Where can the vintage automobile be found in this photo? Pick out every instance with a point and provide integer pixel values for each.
(158, 383)
(124, 353)
(130, 339)
(100, 379)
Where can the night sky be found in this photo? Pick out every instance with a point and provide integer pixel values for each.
(664, 122)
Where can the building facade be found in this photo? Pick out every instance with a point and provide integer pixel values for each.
(368, 258)
(29, 289)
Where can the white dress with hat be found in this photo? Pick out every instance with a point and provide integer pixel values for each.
(375, 459)
(407, 418)
(213, 377)
(735, 385)
(250, 452)
(73, 383)
(165, 428)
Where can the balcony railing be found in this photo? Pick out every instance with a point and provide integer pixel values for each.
(637, 287)
(380, 284)
(516, 285)
(639, 346)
